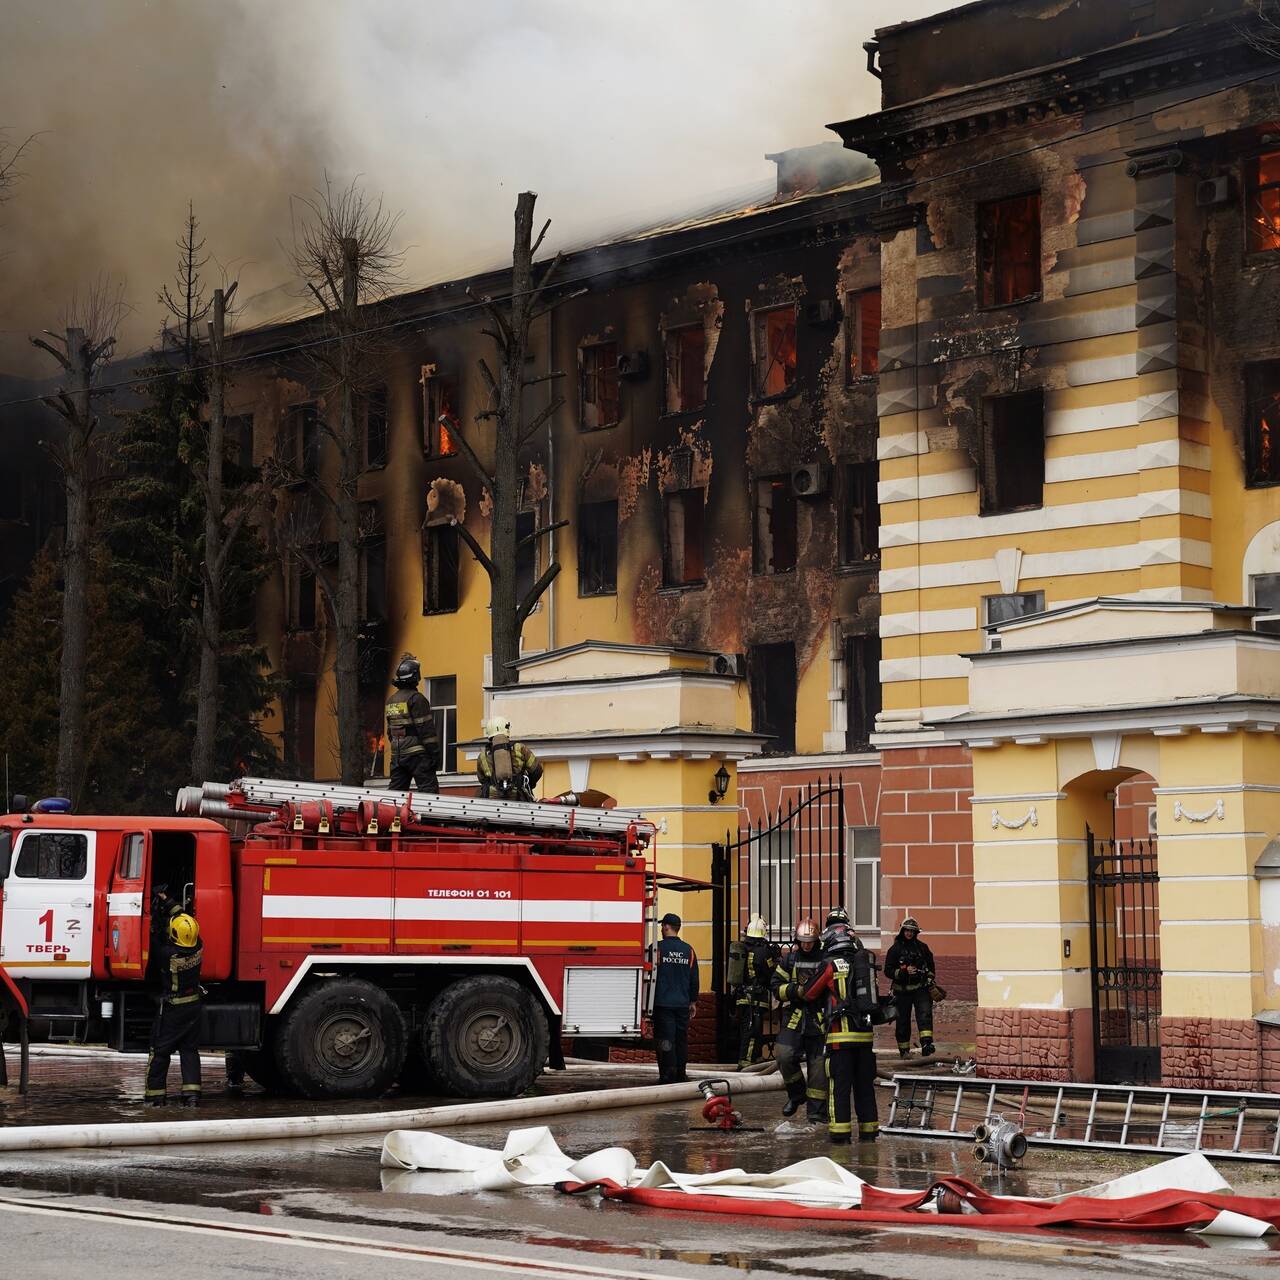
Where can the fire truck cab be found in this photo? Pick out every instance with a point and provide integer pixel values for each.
(349, 943)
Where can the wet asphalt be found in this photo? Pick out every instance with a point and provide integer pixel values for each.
(329, 1187)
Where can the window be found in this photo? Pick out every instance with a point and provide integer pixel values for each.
(686, 350)
(53, 855)
(1009, 250)
(862, 334)
(598, 384)
(238, 440)
(439, 400)
(300, 729)
(302, 598)
(372, 582)
(1262, 423)
(373, 711)
(440, 576)
(862, 877)
(132, 849)
(1262, 203)
(526, 553)
(772, 867)
(302, 440)
(597, 548)
(772, 672)
(375, 428)
(861, 689)
(859, 513)
(997, 609)
(682, 559)
(1012, 461)
(774, 549)
(1264, 588)
(774, 336)
(442, 693)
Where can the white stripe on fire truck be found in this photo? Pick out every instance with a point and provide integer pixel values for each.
(286, 906)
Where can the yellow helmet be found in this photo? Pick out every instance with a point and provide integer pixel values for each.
(756, 927)
(184, 930)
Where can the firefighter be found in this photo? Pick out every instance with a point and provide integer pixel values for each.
(758, 957)
(837, 915)
(411, 726)
(846, 981)
(506, 770)
(675, 1000)
(177, 1026)
(800, 1040)
(909, 967)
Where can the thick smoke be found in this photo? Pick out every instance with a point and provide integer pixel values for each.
(617, 114)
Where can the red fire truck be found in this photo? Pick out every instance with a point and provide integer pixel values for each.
(352, 937)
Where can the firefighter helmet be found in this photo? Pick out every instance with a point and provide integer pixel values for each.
(837, 939)
(756, 927)
(806, 931)
(496, 727)
(408, 673)
(911, 923)
(837, 915)
(184, 930)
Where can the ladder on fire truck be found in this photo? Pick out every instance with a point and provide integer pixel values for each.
(254, 799)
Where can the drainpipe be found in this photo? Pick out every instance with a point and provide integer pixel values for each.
(551, 480)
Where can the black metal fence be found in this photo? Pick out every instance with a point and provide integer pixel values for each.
(1124, 922)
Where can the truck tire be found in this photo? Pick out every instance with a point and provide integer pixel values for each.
(486, 1037)
(343, 1039)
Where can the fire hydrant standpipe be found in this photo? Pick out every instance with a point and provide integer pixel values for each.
(718, 1109)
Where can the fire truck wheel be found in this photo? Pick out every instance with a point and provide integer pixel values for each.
(486, 1037)
(344, 1039)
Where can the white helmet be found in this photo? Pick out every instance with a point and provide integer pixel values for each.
(496, 726)
(756, 927)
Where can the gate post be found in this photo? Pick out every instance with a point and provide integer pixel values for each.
(725, 1046)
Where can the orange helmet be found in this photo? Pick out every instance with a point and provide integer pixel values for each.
(806, 930)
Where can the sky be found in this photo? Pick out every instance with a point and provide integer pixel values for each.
(616, 113)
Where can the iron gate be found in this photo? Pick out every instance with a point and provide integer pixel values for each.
(1124, 923)
(790, 865)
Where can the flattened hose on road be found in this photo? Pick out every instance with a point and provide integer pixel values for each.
(54, 1137)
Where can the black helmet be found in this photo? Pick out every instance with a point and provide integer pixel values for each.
(838, 938)
(408, 673)
(837, 915)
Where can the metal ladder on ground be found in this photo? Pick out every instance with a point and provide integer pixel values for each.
(254, 797)
(1220, 1123)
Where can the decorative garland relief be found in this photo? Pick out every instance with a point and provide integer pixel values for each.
(1218, 811)
(1009, 825)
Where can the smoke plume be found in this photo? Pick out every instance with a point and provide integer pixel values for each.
(617, 114)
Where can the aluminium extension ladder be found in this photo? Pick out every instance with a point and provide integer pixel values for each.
(1220, 1123)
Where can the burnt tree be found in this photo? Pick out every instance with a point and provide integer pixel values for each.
(81, 350)
(510, 320)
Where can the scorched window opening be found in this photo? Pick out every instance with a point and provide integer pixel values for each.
(1011, 472)
(682, 552)
(774, 337)
(598, 385)
(440, 575)
(686, 381)
(1262, 203)
(1262, 424)
(598, 548)
(775, 526)
(1009, 250)
(862, 335)
(439, 400)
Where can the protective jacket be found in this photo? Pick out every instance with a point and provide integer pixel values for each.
(794, 972)
(411, 727)
(525, 770)
(833, 983)
(761, 959)
(675, 974)
(909, 952)
(178, 969)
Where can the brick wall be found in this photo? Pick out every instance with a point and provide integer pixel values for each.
(1219, 1053)
(1035, 1044)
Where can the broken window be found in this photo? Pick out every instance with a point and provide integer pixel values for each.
(774, 337)
(686, 350)
(302, 597)
(597, 548)
(1009, 250)
(771, 669)
(997, 609)
(238, 440)
(373, 710)
(302, 440)
(440, 419)
(1262, 203)
(440, 577)
(442, 693)
(682, 559)
(774, 549)
(375, 428)
(1262, 423)
(1012, 455)
(859, 513)
(300, 729)
(598, 384)
(372, 569)
(526, 553)
(862, 334)
(861, 689)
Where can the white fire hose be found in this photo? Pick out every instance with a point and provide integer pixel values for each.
(52, 1137)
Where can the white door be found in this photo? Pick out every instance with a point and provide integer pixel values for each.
(47, 926)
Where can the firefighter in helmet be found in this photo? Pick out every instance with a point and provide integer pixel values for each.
(176, 954)
(909, 967)
(506, 770)
(411, 726)
(800, 1039)
(750, 978)
(846, 982)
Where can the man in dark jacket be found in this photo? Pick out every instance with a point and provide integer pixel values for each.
(176, 955)
(675, 998)
(909, 967)
(753, 995)
(800, 1040)
(411, 727)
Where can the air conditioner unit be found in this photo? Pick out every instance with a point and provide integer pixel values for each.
(810, 481)
(1213, 191)
(820, 312)
(633, 364)
(729, 664)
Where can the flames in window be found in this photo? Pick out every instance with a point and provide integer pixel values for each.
(1264, 203)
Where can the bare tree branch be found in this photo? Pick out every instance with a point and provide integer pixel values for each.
(541, 417)
(476, 549)
(540, 533)
(535, 592)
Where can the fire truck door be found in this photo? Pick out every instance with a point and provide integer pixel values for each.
(125, 921)
(48, 906)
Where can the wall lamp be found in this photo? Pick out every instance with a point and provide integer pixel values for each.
(721, 781)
